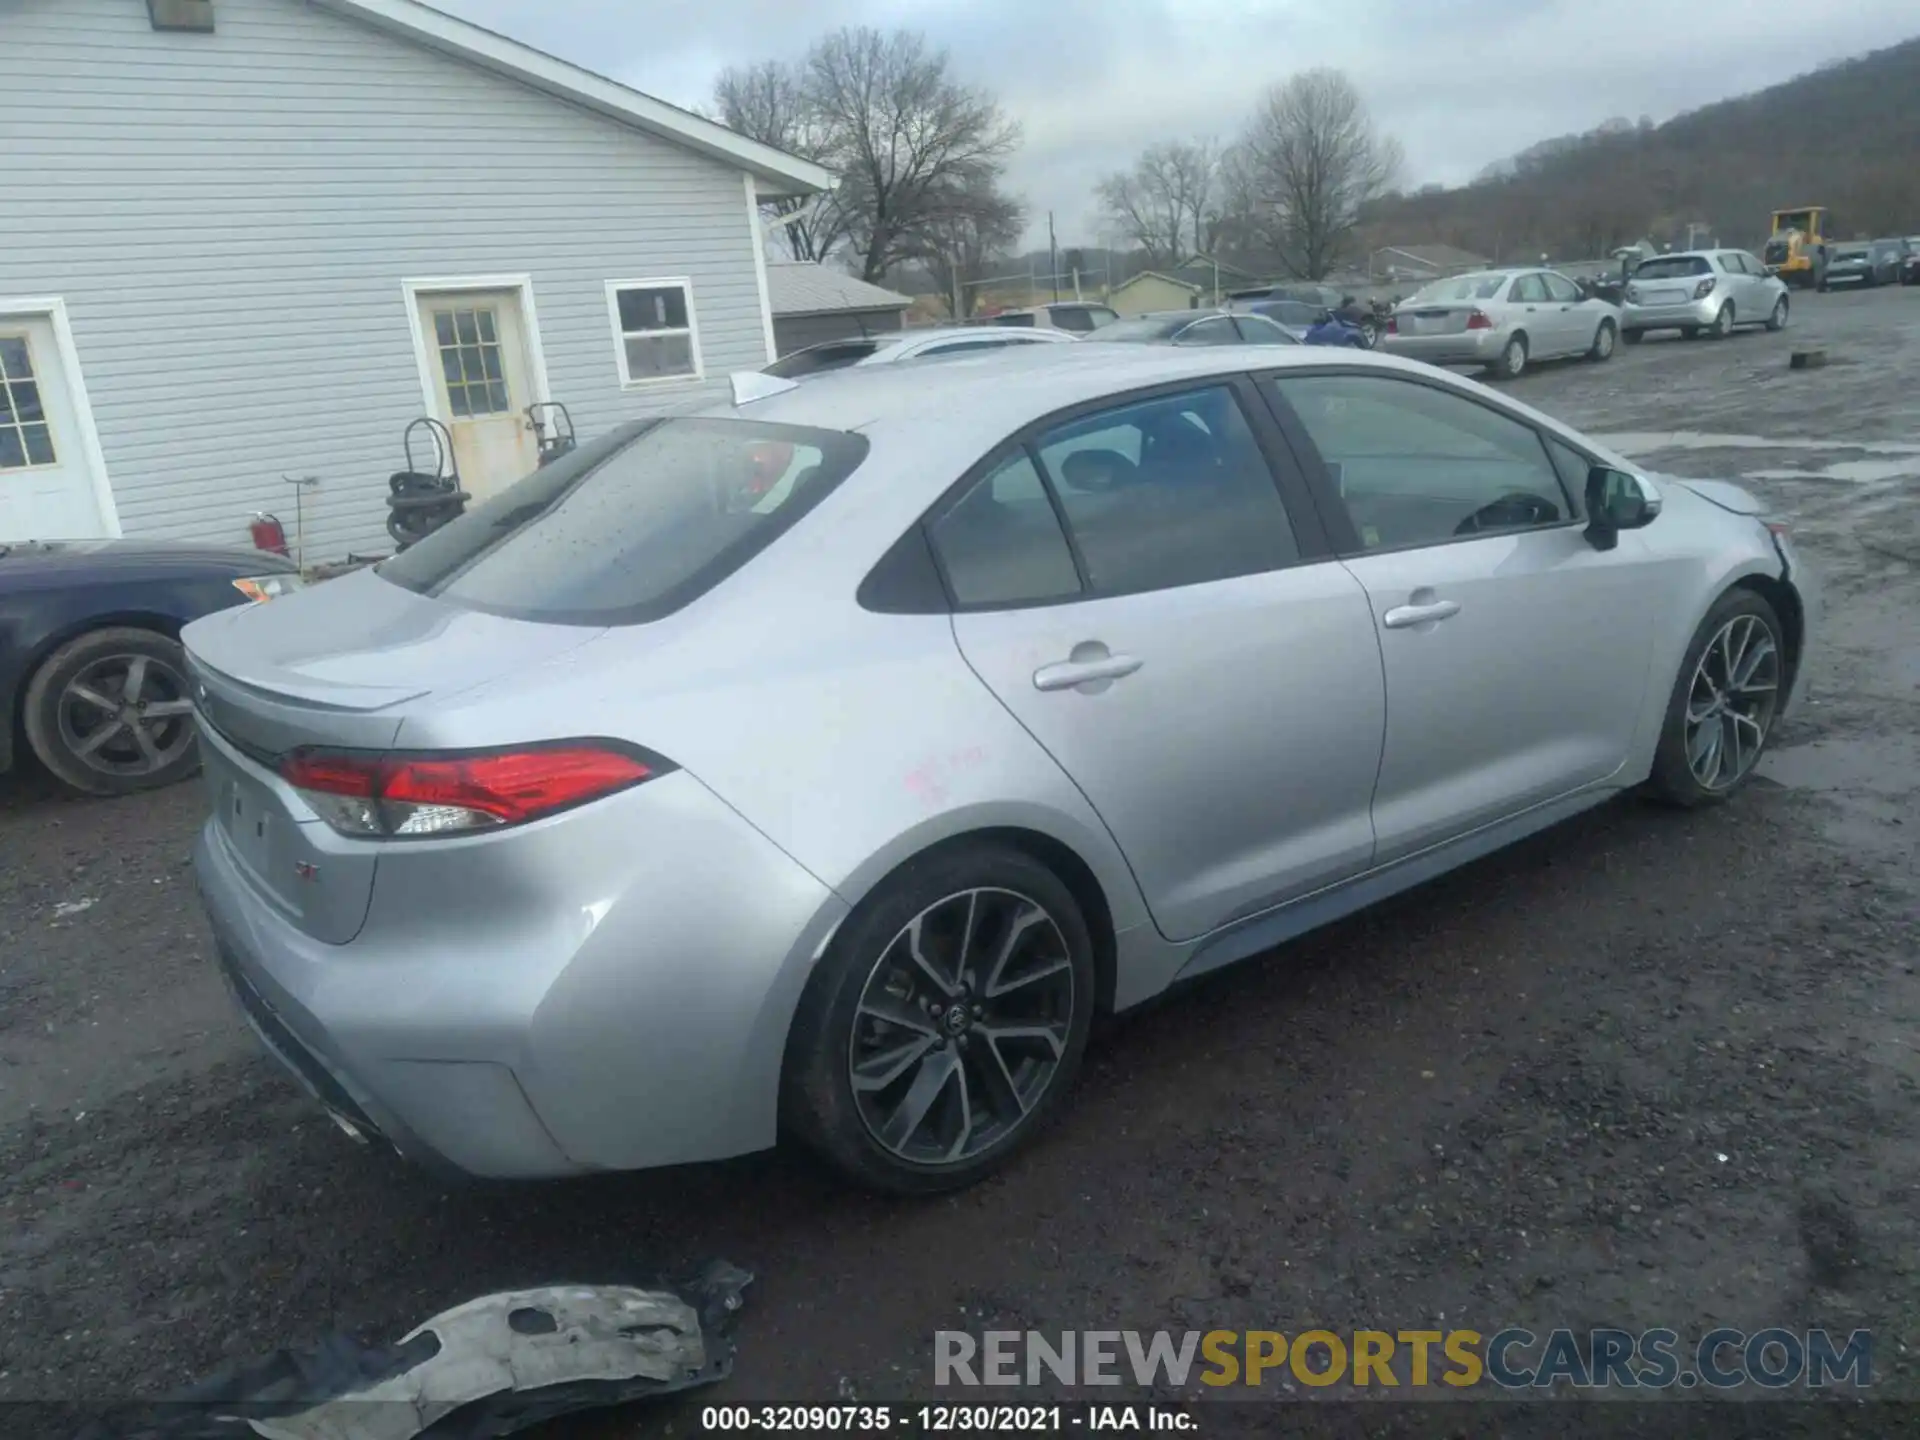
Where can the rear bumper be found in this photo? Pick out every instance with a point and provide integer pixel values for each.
(1470, 347)
(1693, 314)
(607, 990)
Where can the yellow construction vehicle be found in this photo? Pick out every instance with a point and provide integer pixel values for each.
(1796, 250)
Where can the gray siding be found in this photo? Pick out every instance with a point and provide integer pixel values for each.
(796, 332)
(230, 216)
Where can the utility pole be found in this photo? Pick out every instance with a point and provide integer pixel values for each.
(1053, 256)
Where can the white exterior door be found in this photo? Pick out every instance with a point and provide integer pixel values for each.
(47, 489)
(476, 345)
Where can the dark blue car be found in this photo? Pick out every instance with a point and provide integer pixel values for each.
(92, 678)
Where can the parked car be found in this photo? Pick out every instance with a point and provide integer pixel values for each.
(1503, 320)
(1865, 264)
(1910, 261)
(91, 676)
(591, 835)
(1076, 317)
(1194, 327)
(1702, 290)
(894, 346)
(1296, 317)
(1324, 297)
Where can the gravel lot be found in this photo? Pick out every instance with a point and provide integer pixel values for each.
(1648, 1069)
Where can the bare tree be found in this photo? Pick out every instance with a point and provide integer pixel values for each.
(957, 248)
(769, 102)
(912, 146)
(1165, 203)
(1313, 160)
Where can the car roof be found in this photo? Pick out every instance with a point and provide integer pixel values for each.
(976, 399)
(982, 333)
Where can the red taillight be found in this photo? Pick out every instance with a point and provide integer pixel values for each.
(1479, 320)
(1393, 325)
(415, 795)
(1703, 289)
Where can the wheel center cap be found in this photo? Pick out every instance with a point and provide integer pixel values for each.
(957, 1019)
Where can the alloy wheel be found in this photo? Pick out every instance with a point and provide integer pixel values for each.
(126, 716)
(961, 1026)
(1731, 702)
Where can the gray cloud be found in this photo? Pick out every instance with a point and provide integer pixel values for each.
(1092, 81)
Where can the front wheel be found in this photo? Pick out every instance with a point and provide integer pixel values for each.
(1602, 347)
(1513, 359)
(1777, 320)
(944, 1026)
(1724, 700)
(108, 713)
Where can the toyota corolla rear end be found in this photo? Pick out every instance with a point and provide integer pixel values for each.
(453, 888)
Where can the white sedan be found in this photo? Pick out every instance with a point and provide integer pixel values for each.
(896, 346)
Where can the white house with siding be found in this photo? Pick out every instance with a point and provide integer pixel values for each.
(248, 240)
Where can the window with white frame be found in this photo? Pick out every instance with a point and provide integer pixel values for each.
(654, 330)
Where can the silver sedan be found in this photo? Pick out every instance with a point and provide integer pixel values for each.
(1503, 320)
(820, 765)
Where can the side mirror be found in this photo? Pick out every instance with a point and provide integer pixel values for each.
(1617, 501)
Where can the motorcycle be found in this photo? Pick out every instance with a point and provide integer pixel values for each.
(1332, 329)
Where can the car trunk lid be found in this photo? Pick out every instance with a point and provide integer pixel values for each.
(360, 657)
(1434, 319)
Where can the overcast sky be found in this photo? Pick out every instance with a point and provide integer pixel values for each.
(1460, 83)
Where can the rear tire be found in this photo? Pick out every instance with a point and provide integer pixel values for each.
(1725, 698)
(925, 1033)
(108, 713)
(1512, 361)
(1633, 337)
(1602, 347)
(1723, 322)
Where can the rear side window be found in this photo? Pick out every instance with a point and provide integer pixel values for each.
(1002, 544)
(633, 526)
(815, 358)
(1168, 492)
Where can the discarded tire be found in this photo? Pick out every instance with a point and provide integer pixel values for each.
(1807, 360)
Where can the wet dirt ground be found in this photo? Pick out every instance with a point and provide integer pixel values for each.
(1646, 1070)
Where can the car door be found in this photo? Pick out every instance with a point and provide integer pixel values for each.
(1516, 654)
(1130, 584)
(1577, 319)
(1534, 312)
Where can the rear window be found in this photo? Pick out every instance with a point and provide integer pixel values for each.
(1671, 267)
(815, 358)
(1461, 287)
(1292, 312)
(633, 526)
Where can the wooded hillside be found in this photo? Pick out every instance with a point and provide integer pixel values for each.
(1846, 136)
